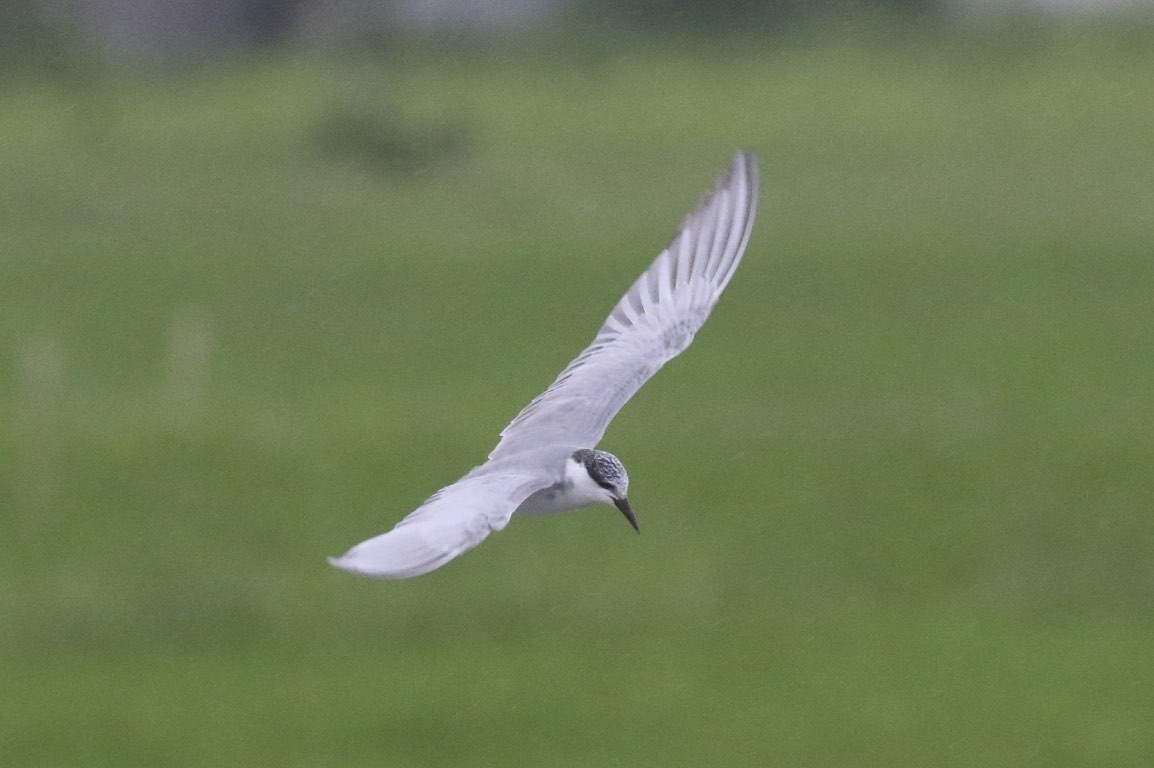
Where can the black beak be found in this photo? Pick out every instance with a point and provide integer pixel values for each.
(623, 505)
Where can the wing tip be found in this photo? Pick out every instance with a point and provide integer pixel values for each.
(350, 565)
(739, 184)
(361, 565)
(744, 165)
(746, 156)
(742, 168)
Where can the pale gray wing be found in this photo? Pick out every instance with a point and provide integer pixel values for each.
(651, 324)
(452, 521)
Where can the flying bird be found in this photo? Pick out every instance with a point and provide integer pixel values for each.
(547, 460)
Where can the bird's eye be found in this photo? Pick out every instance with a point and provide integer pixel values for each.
(604, 483)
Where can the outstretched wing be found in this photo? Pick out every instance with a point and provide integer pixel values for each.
(454, 520)
(651, 325)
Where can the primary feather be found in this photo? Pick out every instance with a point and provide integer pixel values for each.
(651, 324)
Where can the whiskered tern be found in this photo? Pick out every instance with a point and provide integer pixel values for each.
(547, 460)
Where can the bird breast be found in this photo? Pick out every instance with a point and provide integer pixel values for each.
(548, 501)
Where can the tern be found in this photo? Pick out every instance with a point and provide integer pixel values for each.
(547, 460)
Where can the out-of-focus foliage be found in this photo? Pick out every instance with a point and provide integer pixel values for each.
(698, 17)
(36, 38)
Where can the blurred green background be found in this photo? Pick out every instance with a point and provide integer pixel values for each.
(255, 306)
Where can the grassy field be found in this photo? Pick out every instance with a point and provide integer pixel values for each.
(896, 500)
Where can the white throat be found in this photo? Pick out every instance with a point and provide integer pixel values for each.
(582, 489)
(576, 490)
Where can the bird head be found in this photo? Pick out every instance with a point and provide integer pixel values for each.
(609, 475)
